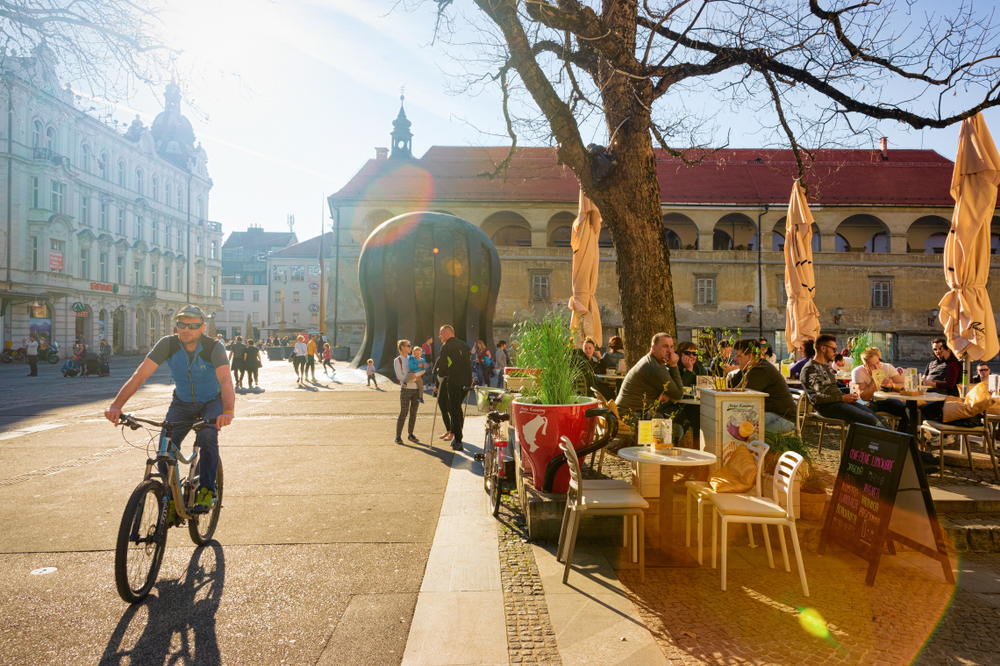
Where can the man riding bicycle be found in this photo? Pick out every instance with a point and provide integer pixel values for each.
(203, 389)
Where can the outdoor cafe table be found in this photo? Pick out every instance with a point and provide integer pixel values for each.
(613, 378)
(912, 409)
(668, 555)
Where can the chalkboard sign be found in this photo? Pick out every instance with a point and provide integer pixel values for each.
(881, 495)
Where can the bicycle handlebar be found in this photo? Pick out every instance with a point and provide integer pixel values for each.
(134, 422)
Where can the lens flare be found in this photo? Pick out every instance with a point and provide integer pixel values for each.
(474, 289)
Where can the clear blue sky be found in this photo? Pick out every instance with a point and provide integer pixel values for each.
(292, 97)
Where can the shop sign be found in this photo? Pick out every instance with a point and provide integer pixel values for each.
(83, 313)
(55, 261)
(313, 308)
(79, 307)
(101, 286)
(314, 285)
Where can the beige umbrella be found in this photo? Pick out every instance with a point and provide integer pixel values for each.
(965, 311)
(586, 257)
(801, 315)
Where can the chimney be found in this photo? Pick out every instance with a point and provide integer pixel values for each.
(381, 153)
(883, 147)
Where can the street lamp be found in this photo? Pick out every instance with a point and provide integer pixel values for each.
(933, 317)
(749, 312)
(840, 313)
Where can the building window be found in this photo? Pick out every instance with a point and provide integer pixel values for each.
(58, 196)
(881, 293)
(166, 278)
(156, 232)
(156, 188)
(50, 139)
(36, 134)
(314, 319)
(200, 286)
(255, 318)
(34, 192)
(295, 297)
(34, 253)
(105, 215)
(121, 221)
(540, 287)
(225, 295)
(280, 274)
(215, 249)
(277, 295)
(138, 181)
(180, 199)
(138, 227)
(199, 250)
(167, 191)
(103, 256)
(180, 282)
(85, 264)
(154, 275)
(705, 290)
(298, 273)
(102, 166)
(122, 175)
(137, 269)
(57, 255)
(166, 236)
(121, 270)
(236, 294)
(85, 210)
(85, 158)
(256, 295)
(215, 286)
(780, 291)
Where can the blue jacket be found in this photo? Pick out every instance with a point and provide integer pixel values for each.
(195, 381)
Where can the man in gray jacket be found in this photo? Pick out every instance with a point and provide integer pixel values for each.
(653, 382)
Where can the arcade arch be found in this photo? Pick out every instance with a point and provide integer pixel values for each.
(681, 232)
(778, 236)
(862, 233)
(507, 229)
(735, 231)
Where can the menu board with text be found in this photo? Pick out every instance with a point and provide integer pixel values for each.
(881, 495)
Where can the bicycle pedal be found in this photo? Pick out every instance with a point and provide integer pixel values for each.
(478, 457)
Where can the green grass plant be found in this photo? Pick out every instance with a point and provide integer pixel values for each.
(546, 343)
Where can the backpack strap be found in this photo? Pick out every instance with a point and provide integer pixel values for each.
(207, 347)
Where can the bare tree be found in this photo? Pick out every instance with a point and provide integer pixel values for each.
(816, 71)
(106, 45)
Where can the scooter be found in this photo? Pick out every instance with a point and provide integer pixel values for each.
(50, 354)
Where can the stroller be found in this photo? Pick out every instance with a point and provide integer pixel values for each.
(89, 363)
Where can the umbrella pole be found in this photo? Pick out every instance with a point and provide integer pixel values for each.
(965, 379)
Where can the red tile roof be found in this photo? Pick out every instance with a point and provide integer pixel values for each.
(730, 176)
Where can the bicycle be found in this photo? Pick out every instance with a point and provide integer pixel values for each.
(491, 401)
(142, 535)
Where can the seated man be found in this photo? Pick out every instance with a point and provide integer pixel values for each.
(652, 382)
(943, 374)
(779, 406)
(982, 374)
(807, 350)
(723, 363)
(820, 383)
(874, 375)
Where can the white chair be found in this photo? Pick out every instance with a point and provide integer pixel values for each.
(599, 498)
(701, 490)
(745, 509)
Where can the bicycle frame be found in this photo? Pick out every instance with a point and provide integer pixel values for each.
(169, 454)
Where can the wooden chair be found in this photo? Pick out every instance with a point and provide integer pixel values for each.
(764, 511)
(701, 491)
(942, 430)
(591, 498)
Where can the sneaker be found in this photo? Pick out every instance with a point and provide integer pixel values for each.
(203, 501)
(456, 445)
(413, 438)
(399, 440)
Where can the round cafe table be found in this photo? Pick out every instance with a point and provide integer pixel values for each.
(911, 401)
(666, 554)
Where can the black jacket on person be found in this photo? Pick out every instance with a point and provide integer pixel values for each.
(766, 378)
(454, 363)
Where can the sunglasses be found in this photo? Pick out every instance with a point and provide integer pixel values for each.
(689, 353)
(193, 327)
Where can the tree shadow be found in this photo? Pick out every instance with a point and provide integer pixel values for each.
(184, 607)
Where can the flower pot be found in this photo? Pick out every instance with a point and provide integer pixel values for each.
(518, 379)
(812, 505)
(539, 428)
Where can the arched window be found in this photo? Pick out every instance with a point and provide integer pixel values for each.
(841, 244)
(156, 188)
(85, 158)
(935, 243)
(102, 165)
(167, 191)
(879, 243)
(512, 236)
(201, 209)
(50, 138)
(36, 134)
(562, 237)
(673, 240)
(721, 240)
(605, 240)
(138, 181)
(180, 198)
(122, 174)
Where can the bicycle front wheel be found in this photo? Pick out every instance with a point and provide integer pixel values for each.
(142, 538)
(488, 452)
(202, 528)
(496, 480)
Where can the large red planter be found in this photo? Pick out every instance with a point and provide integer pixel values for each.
(539, 428)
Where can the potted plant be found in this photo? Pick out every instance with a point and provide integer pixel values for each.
(548, 408)
(813, 495)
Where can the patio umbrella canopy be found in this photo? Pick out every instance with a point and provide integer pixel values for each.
(965, 311)
(586, 257)
(801, 316)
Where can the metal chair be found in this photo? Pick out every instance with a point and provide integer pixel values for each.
(942, 430)
(584, 497)
(812, 417)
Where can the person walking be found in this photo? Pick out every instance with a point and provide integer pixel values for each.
(251, 364)
(371, 373)
(299, 358)
(500, 361)
(237, 352)
(310, 368)
(33, 355)
(454, 370)
(327, 364)
(409, 391)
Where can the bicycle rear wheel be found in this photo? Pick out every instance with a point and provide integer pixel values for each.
(202, 528)
(142, 537)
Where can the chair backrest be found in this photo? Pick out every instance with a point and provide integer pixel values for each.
(801, 409)
(574, 465)
(784, 476)
(759, 449)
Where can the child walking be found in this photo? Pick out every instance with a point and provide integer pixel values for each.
(326, 358)
(371, 373)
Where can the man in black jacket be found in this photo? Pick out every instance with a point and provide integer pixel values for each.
(454, 370)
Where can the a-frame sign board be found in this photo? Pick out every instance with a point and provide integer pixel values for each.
(881, 495)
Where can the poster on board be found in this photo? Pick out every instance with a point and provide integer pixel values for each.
(740, 424)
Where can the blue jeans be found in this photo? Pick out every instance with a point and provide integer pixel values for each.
(852, 414)
(207, 439)
(777, 424)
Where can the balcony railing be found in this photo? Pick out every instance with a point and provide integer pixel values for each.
(50, 155)
(145, 293)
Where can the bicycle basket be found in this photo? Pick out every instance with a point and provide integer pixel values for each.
(484, 395)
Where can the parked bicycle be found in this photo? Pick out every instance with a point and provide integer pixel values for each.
(494, 402)
(158, 504)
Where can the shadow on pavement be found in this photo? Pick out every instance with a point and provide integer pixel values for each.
(185, 608)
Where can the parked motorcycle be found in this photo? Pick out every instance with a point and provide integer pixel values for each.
(50, 354)
(11, 355)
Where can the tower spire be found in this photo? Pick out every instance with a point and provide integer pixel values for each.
(401, 136)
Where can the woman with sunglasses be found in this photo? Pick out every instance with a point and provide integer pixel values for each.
(690, 364)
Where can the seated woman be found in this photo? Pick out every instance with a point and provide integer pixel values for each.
(690, 364)
(589, 360)
(766, 353)
(616, 352)
(875, 375)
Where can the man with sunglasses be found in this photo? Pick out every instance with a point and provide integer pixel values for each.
(820, 383)
(203, 389)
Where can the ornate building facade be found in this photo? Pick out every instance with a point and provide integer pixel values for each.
(105, 234)
(881, 218)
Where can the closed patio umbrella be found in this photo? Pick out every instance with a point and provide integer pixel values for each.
(801, 315)
(586, 257)
(965, 311)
